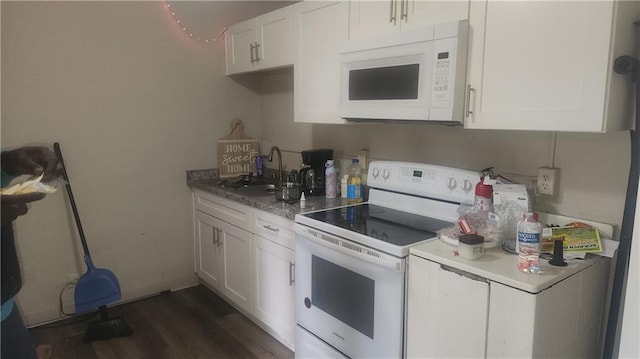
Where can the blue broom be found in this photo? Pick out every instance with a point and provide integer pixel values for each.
(97, 287)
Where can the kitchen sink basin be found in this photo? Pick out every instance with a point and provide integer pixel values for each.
(252, 187)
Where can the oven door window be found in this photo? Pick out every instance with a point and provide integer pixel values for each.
(350, 299)
(384, 83)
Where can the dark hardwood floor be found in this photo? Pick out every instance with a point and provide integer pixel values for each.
(190, 323)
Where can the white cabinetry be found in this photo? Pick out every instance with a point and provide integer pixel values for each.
(548, 65)
(447, 312)
(320, 29)
(247, 255)
(371, 18)
(273, 273)
(223, 247)
(486, 308)
(260, 43)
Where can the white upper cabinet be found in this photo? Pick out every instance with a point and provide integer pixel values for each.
(548, 65)
(320, 30)
(371, 18)
(261, 43)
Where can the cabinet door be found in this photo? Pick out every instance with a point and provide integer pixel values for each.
(419, 13)
(273, 287)
(539, 65)
(236, 250)
(320, 29)
(447, 312)
(371, 18)
(239, 42)
(275, 38)
(209, 260)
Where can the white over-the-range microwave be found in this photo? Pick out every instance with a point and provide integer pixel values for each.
(414, 75)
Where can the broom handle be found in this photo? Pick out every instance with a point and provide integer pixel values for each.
(56, 148)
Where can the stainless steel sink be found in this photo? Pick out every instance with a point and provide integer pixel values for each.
(260, 187)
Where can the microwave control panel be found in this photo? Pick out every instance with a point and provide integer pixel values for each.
(444, 64)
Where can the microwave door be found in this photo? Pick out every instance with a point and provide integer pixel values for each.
(378, 85)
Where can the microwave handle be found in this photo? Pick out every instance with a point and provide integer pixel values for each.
(468, 112)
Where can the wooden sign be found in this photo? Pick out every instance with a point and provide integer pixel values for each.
(237, 153)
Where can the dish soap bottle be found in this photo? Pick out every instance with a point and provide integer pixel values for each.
(354, 183)
(330, 180)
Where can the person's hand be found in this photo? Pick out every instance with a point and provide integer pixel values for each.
(31, 160)
(16, 205)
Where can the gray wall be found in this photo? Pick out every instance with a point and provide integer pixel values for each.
(134, 104)
(593, 167)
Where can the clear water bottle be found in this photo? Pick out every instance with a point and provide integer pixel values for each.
(354, 183)
(330, 180)
(528, 239)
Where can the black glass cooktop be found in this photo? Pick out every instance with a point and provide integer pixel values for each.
(389, 225)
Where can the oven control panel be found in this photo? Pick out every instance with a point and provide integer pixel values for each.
(421, 179)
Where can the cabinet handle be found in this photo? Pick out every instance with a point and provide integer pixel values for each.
(463, 273)
(251, 47)
(392, 15)
(467, 104)
(216, 237)
(292, 279)
(256, 47)
(266, 226)
(403, 10)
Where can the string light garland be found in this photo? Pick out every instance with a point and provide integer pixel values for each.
(188, 32)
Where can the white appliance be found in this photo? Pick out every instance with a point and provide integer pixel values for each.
(414, 75)
(351, 261)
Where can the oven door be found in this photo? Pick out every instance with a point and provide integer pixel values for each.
(349, 295)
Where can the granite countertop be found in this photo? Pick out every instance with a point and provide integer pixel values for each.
(207, 180)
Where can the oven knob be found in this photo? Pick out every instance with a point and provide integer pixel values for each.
(386, 173)
(307, 302)
(375, 172)
(467, 186)
(451, 185)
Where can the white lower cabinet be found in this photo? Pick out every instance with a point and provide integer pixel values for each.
(447, 312)
(209, 261)
(454, 313)
(247, 255)
(273, 288)
(222, 254)
(273, 274)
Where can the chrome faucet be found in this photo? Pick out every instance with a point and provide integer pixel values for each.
(275, 148)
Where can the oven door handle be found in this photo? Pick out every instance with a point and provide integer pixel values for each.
(350, 248)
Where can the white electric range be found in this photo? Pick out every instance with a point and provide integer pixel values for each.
(351, 261)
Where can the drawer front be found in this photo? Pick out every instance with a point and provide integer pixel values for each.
(224, 209)
(274, 228)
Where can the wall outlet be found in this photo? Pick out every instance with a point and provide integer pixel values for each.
(547, 181)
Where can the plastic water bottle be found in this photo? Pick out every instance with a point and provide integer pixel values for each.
(354, 183)
(343, 186)
(330, 180)
(528, 238)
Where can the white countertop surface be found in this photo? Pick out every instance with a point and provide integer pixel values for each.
(499, 266)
